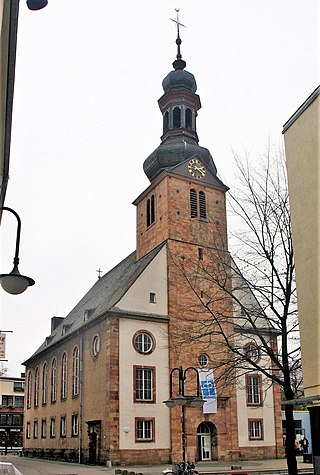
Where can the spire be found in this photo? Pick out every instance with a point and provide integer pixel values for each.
(179, 63)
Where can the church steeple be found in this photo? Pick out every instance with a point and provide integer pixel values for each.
(179, 106)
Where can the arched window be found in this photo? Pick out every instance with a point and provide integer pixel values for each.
(193, 203)
(44, 383)
(151, 213)
(188, 119)
(29, 389)
(202, 205)
(36, 387)
(54, 380)
(176, 117)
(64, 376)
(165, 121)
(75, 372)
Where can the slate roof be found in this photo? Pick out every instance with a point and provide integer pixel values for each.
(173, 151)
(102, 297)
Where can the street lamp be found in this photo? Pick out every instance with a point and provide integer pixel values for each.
(15, 283)
(182, 399)
(36, 4)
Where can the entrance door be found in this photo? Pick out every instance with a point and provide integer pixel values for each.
(205, 443)
(94, 431)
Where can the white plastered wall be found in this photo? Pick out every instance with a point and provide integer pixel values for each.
(137, 299)
(152, 280)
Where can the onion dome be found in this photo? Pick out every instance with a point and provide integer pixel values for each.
(179, 106)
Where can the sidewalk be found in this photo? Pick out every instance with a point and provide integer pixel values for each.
(35, 466)
(275, 465)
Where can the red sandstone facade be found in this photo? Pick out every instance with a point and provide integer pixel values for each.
(92, 383)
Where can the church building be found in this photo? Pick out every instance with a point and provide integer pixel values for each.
(96, 387)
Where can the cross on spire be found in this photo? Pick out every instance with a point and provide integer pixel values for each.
(178, 63)
(99, 273)
(177, 22)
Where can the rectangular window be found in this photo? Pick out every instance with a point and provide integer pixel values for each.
(253, 390)
(18, 386)
(200, 253)
(35, 429)
(75, 425)
(144, 381)
(19, 401)
(28, 431)
(7, 400)
(152, 297)
(44, 428)
(255, 429)
(63, 426)
(52, 427)
(17, 420)
(144, 430)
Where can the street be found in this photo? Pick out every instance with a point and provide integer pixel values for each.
(34, 466)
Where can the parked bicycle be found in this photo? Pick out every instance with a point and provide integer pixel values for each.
(182, 468)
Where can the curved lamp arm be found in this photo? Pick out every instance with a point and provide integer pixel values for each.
(15, 283)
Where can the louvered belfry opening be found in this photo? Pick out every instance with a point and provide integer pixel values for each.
(202, 204)
(193, 203)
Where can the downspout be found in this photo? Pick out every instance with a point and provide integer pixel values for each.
(80, 392)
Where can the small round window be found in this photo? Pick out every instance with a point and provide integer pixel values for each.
(96, 345)
(143, 342)
(252, 352)
(203, 360)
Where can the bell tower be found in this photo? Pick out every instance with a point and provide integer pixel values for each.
(185, 208)
(185, 200)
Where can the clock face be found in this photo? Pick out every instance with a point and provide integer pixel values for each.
(196, 168)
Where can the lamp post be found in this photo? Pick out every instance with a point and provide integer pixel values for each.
(182, 399)
(15, 283)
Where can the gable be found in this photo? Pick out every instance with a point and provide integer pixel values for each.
(153, 280)
(194, 168)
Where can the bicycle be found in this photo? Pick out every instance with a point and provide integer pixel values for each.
(182, 468)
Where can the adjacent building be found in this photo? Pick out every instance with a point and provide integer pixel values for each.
(302, 144)
(95, 388)
(11, 412)
(8, 44)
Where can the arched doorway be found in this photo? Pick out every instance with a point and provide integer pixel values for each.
(207, 441)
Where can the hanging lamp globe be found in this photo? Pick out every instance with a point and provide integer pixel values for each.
(36, 4)
(197, 402)
(15, 283)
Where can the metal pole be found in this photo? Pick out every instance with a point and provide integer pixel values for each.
(184, 441)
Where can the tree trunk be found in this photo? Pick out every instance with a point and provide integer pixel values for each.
(290, 441)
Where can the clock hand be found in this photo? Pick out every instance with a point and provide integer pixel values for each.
(201, 170)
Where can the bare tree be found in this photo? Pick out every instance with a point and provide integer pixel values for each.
(260, 332)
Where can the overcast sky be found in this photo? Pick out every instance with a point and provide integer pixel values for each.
(88, 77)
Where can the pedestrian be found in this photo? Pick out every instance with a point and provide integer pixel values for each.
(304, 445)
